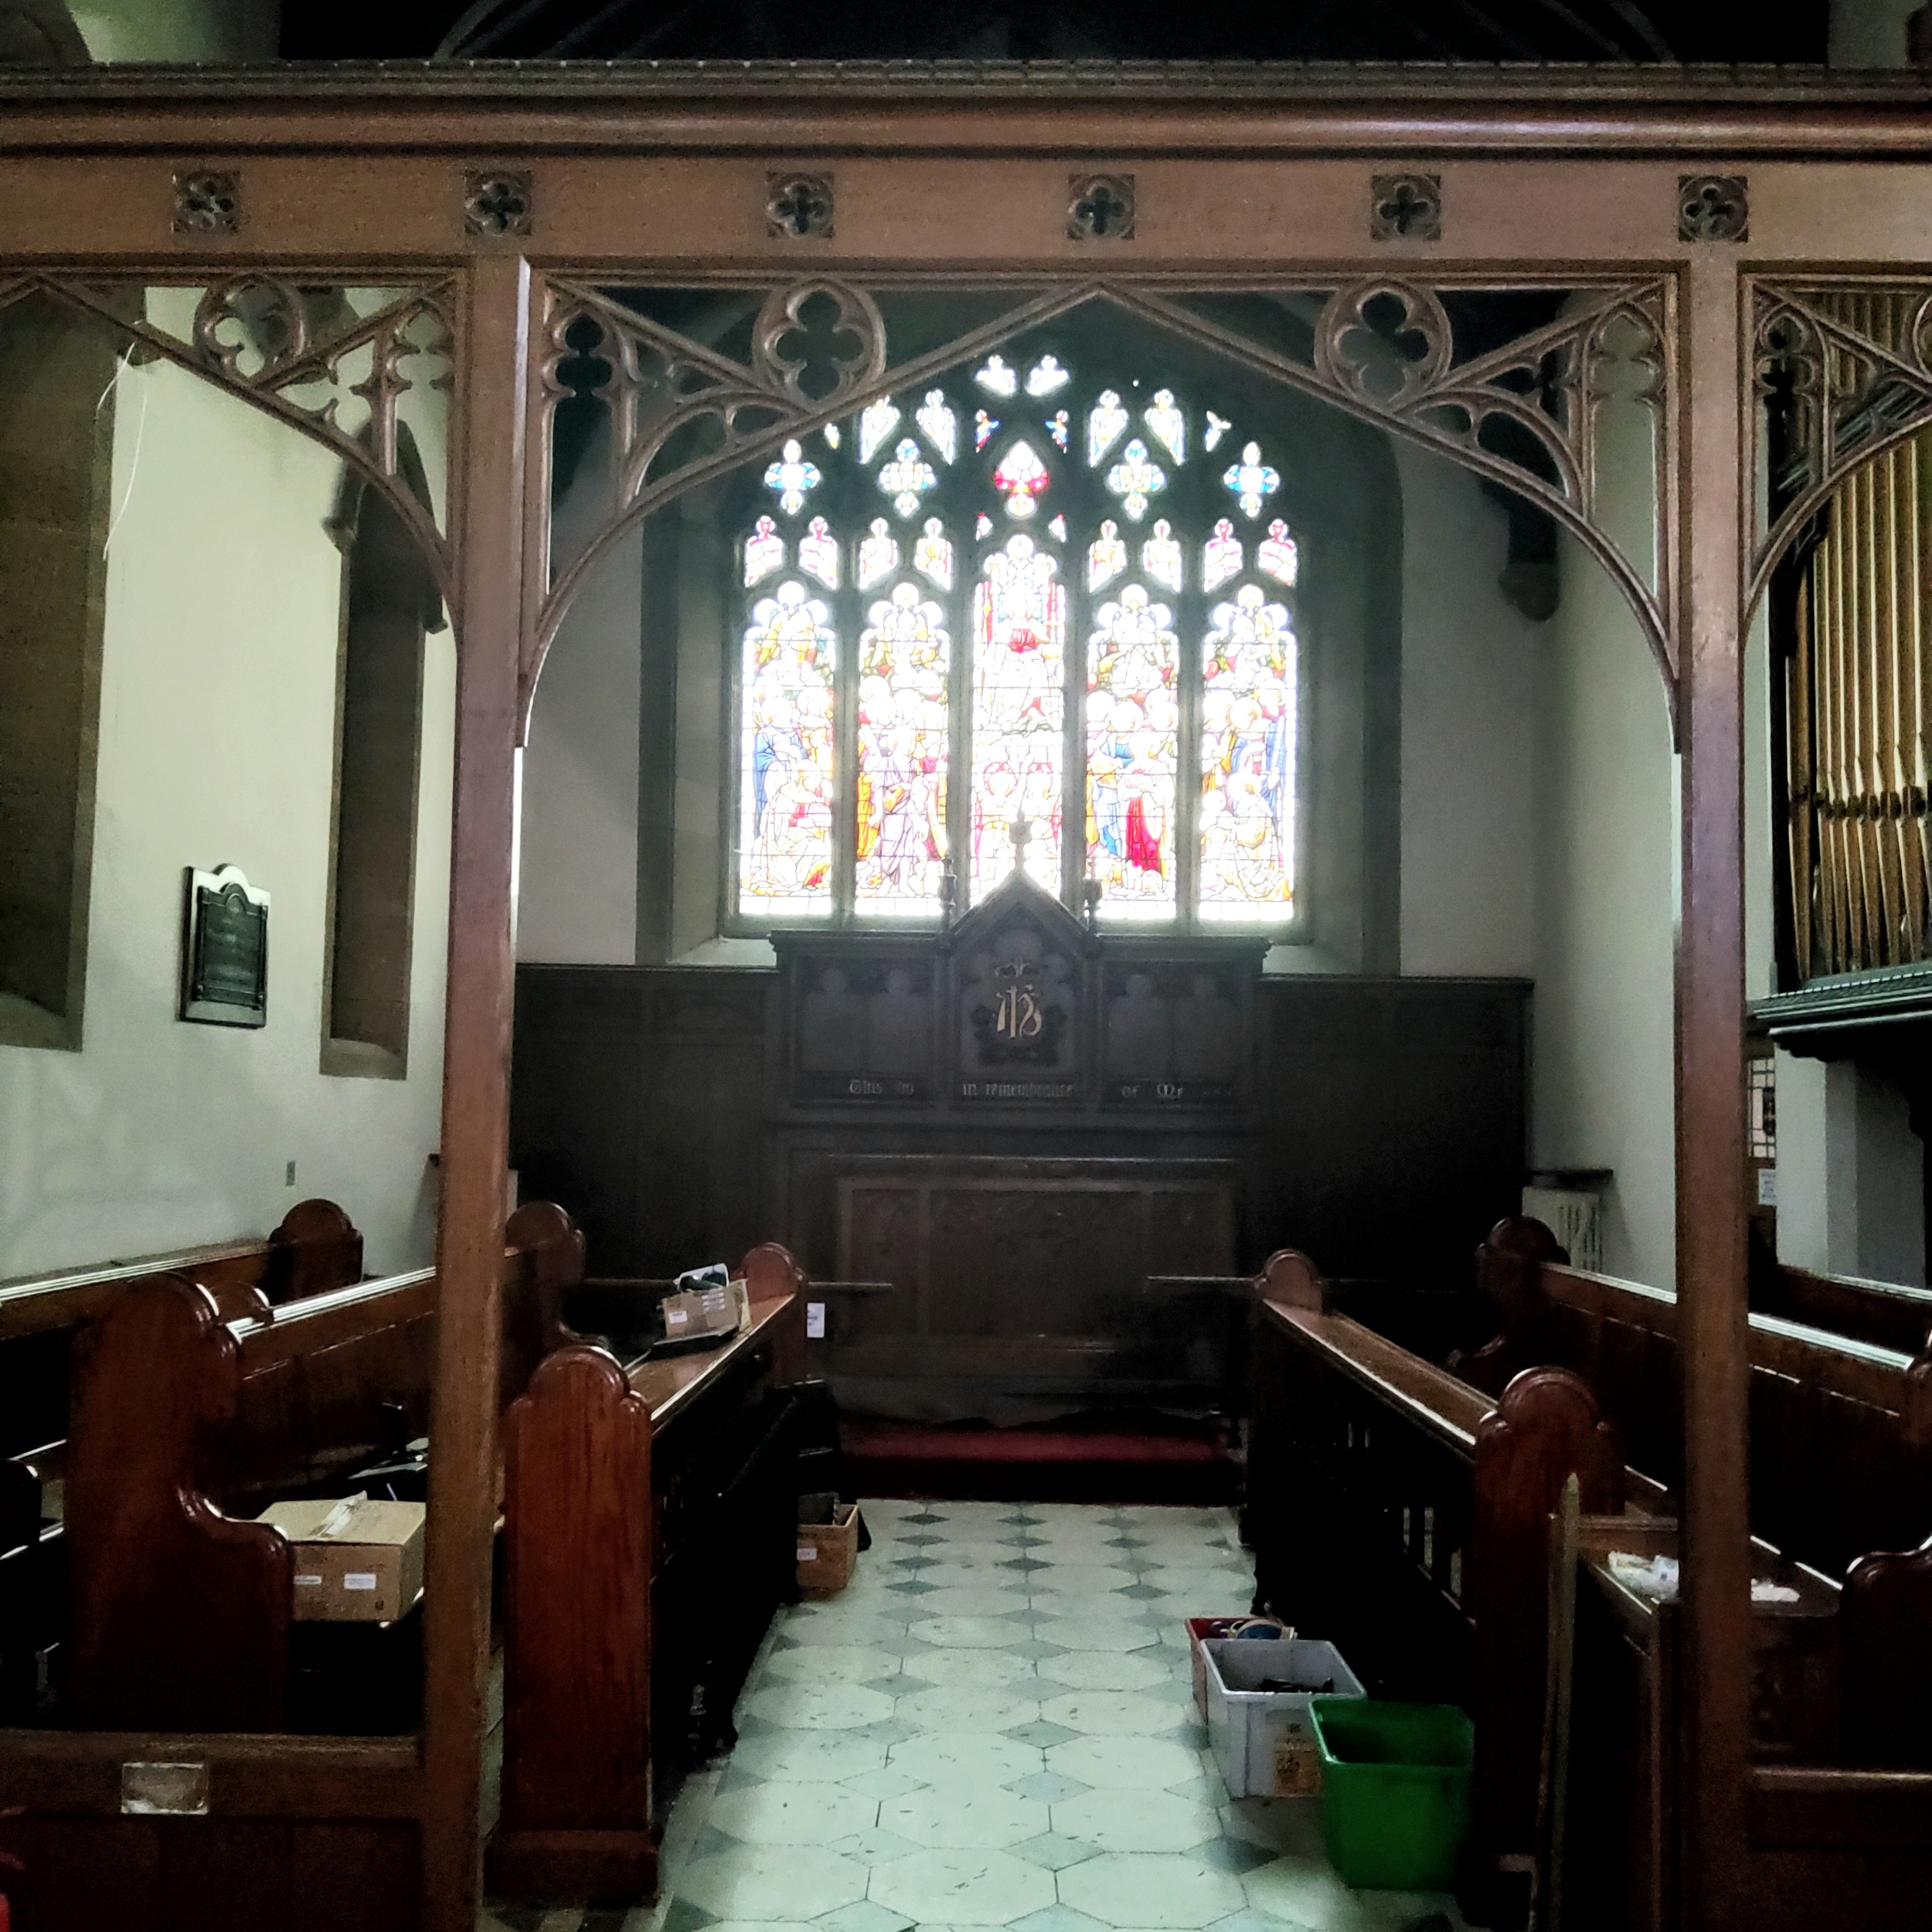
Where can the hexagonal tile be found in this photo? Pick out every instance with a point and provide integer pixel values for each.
(968, 1707)
(1086, 1633)
(792, 1813)
(1053, 1851)
(765, 1882)
(815, 1707)
(1109, 1713)
(833, 1664)
(812, 1630)
(1305, 1891)
(959, 1818)
(1106, 1670)
(1138, 1820)
(1150, 1889)
(1078, 1579)
(965, 1667)
(865, 1917)
(803, 1757)
(958, 1757)
(977, 1600)
(1123, 1764)
(962, 1887)
(968, 1633)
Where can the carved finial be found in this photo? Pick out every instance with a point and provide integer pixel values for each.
(1020, 828)
(1090, 892)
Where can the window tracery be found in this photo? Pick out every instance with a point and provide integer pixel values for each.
(1072, 648)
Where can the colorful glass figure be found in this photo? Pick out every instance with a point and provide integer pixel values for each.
(1047, 377)
(1221, 556)
(764, 551)
(1217, 427)
(877, 421)
(1059, 427)
(1277, 555)
(1106, 556)
(1104, 423)
(1133, 754)
(933, 554)
(1160, 556)
(786, 778)
(818, 553)
(1166, 419)
(983, 528)
(998, 378)
(878, 554)
(1023, 477)
(831, 434)
(1134, 478)
(793, 478)
(1019, 696)
(900, 818)
(1057, 529)
(1252, 481)
(984, 426)
(908, 476)
(940, 425)
(1247, 761)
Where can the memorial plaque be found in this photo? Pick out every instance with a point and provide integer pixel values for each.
(1021, 972)
(224, 965)
(861, 1019)
(1175, 1029)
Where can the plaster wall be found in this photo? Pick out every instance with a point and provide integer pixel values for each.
(1472, 669)
(217, 746)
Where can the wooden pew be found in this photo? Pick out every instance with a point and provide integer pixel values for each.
(650, 1513)
(316, 1248)
(1401, 1513)
(185, 1426)
(1841, 1428)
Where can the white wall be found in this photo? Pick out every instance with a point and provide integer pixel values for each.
(217, 734)
(578, 876)
(1472, 665)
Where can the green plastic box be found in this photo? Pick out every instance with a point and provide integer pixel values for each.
(1395, 1791)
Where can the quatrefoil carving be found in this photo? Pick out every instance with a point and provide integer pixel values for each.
(819, 341)
(1383, 342)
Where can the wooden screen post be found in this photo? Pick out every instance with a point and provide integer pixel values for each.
(1714, 1737)
(487, 523)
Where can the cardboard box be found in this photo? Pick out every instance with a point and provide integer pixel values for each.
(826, 1551)
(714, 1310)
(356, 1561)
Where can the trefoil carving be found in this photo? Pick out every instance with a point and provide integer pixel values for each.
(799, 207)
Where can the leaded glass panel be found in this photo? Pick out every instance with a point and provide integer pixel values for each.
(1133, 753)
(904, 662)
(786, 767)
(1019, 698)
(1248, 717)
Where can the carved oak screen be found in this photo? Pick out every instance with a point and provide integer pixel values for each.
(1010, 562)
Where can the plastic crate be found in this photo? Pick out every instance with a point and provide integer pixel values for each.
(1264, 1740)
(1395, 1791)
(1199, 1629)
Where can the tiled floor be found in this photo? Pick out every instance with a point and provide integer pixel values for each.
(992, 1727)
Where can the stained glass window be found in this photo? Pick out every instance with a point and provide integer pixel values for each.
(1133, 748)
(1068, 643)
(1019, 696)
(786, 765)
(1248, 713)
(903, 664)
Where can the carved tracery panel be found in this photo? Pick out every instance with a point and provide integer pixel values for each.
(364, 370)
(1515, 384)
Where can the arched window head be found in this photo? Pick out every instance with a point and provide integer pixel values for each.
(1037, 614)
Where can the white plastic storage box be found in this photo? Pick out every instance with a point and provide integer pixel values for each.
(1264, 1740)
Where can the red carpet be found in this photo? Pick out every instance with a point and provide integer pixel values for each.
(1068, 1462)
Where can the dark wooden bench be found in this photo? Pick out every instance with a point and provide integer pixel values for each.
(650, 1517)
(185, 1426)
(1841, 1428)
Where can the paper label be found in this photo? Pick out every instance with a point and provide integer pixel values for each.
(359, 1580)
(675, 1317)
(1297, 1766)
(308, 1582)
(814, 1320)
(807, 1553)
